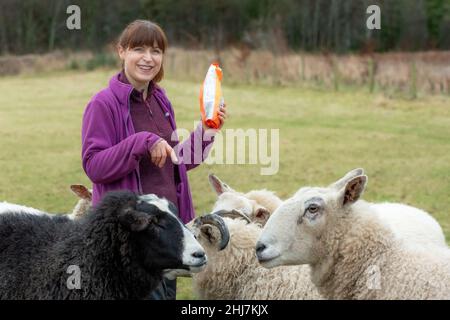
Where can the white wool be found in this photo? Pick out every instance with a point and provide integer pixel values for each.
(15, 208)
(413, 224)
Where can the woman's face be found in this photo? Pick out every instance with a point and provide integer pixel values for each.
(142, 64)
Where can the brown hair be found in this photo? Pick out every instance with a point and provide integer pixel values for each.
(141, 33)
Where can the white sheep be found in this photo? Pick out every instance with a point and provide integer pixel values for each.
(352, 252)
(234, 273)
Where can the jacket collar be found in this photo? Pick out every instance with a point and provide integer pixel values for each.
(120, 90)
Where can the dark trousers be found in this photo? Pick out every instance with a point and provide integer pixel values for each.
(167, 290)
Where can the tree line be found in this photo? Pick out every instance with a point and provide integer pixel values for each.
(36, 26)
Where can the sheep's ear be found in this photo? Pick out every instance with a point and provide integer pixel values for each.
(134, 220)
(348, 176)
(261, 215)
(218, 186)
(211, 233)
(81, 191)
(353, 190)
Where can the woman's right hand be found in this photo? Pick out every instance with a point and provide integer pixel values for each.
(160, 152)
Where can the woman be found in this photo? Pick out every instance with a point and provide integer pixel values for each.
(127, 131)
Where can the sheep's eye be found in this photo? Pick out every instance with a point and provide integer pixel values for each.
(313, 208)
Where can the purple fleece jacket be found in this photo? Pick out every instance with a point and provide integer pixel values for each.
(111, 150)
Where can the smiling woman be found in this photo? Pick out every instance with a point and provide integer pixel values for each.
(128, 131)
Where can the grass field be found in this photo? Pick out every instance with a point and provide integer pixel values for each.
(403, 145)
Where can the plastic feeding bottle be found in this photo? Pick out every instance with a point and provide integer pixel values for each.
(211, 98)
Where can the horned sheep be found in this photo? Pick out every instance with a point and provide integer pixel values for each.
(234, 273)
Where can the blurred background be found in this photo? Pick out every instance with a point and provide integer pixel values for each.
(341, 95)
(276, 42)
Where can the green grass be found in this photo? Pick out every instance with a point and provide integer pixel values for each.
(403, 145)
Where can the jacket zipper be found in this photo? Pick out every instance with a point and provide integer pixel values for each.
(138, 176)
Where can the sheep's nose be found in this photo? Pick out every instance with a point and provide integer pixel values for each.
(260, 247)
(199, 254)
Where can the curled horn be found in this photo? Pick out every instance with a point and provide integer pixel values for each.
(233, 214)
(217, 221)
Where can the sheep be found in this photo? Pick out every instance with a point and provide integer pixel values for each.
(122, 248)
(224, 275)
(406, 222)
(234, 273)
(352, 253)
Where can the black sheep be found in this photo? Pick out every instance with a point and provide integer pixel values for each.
(122, 248)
